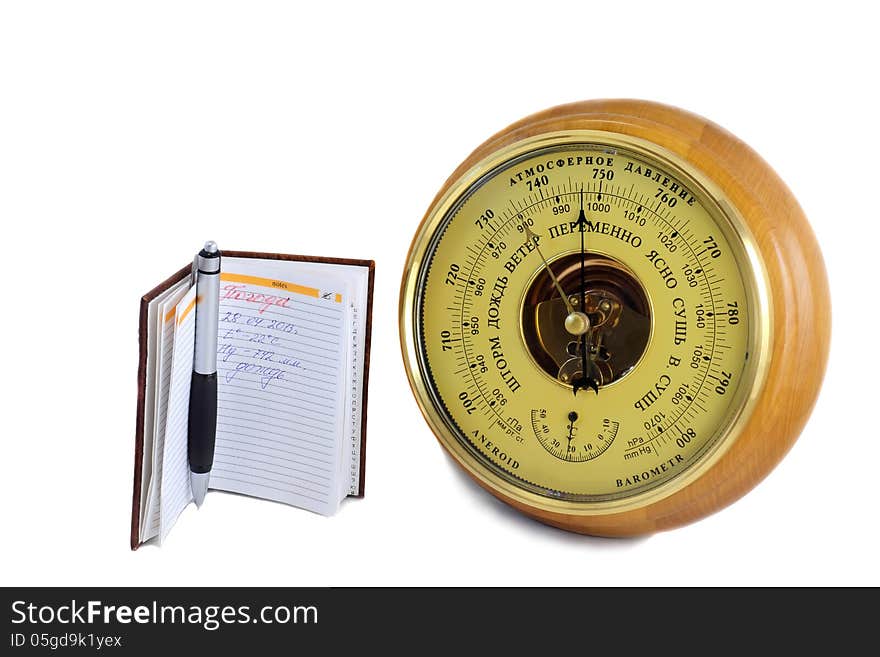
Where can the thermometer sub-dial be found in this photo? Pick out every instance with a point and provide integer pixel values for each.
(571, 436)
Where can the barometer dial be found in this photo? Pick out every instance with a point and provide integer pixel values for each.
(586, 320)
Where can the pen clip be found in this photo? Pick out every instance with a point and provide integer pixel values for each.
(195, 270)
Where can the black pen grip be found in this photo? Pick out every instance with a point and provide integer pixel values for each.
(202, 422)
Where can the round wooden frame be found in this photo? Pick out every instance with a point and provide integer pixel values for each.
(799, 302)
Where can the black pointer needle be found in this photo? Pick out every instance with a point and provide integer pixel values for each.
(586, 381)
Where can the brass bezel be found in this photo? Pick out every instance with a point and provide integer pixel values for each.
(757, 288)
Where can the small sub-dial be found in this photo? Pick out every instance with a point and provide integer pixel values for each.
(572, 436)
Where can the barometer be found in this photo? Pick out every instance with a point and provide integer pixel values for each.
(615, 317)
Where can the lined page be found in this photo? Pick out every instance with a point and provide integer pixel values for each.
(175, 492)
(164, 352)
(148, 455)
(353, 282)
(156, 313)
(359, 278)
(280, 359)
(355, 403)
(150, 514)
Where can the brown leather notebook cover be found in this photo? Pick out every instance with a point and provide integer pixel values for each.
(142, 366)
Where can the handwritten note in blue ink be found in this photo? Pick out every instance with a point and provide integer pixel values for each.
(280, 349)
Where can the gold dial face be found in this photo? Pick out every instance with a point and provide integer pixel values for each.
(584, 320)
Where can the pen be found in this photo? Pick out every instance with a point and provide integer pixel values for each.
(203, 389)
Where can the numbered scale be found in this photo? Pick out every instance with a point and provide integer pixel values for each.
(615, 317)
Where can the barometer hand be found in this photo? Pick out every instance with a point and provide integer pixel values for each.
(531, 237)
(576, 322)
(586, 381)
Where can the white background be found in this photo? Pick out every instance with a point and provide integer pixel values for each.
(130, 133)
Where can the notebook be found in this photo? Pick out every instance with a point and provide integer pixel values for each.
(292, 370)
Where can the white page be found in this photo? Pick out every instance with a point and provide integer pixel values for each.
(342, 461)
(280, 362)
(355, 280)
(164, 351)
(175, 492)
(354, 400)
(149, 408)
(154, 332)
(148, 481)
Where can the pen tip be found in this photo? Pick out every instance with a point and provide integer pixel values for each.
(199, 485)
(211, 246)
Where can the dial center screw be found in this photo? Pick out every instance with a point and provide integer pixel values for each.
(577, 323)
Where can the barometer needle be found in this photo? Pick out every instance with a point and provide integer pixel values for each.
(531, 237)
(586, 381)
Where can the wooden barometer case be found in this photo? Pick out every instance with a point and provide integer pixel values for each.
(615, 317)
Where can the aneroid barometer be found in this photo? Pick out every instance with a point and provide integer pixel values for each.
(615, 317)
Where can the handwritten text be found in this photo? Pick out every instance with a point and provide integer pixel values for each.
(265, 301)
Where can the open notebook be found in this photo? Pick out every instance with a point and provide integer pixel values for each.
(292, 367)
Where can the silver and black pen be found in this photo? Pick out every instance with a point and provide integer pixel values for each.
(203, 389)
